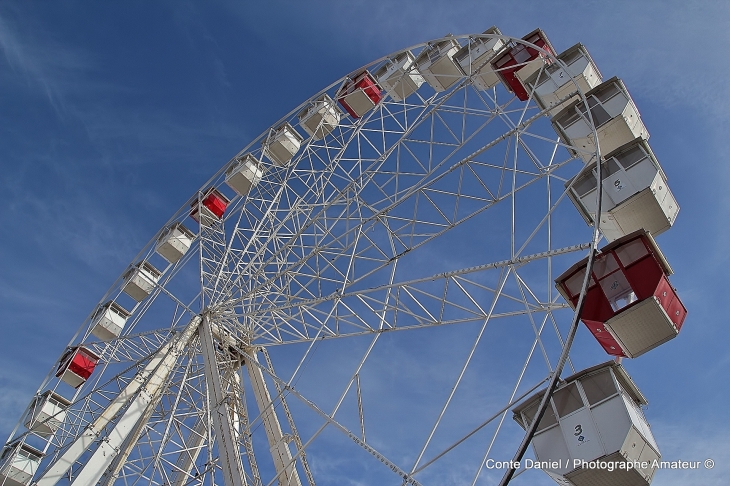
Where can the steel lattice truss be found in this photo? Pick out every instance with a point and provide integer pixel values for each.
(447, 208)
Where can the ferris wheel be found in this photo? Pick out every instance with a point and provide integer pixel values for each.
(366, 292)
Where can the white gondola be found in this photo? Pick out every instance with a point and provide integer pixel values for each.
(399, 76)
(437, 65)
(475, 59)
(174, 242)
(554, 83)
(282, 144)
(614, 113)
(320, 118)
(635, 193)
(244, 174)
(18, 464)
(47, 413)
(108, 321)
(594, 415)
(140, 280)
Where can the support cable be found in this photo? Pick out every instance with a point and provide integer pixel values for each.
(545, 401)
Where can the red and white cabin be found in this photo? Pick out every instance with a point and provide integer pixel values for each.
(212, 206)
(76, 366)
(519, 62)
(630, 307)
(360, 94)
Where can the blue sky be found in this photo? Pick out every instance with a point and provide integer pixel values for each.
(111, 116)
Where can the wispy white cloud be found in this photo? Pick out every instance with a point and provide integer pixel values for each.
(43, 61)
(671, 52)
(653, 55)
(75, 83)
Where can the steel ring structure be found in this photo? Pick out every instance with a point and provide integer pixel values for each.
(362, 295)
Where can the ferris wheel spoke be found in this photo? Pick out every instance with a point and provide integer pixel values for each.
(334, 166)
(479, 427)
(544, 222)
(419, 302)
(512, 399)
(412, 233)
(157, 430)
(153, 377)
(289, 211)
(373, 252)
(412, 308)
(327, 242)
(504, 274)
(330, 420)
(524, 290)
(301, 448)
(131, 347)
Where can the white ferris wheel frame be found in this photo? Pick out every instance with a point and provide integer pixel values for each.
(255, 295)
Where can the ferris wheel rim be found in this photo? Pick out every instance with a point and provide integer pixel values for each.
(257, 140)
(185, 208)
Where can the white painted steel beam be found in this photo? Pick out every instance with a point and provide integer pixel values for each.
(194, 443)
(141, 390)
(280, 452)
(228, 449)
(187, 458)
